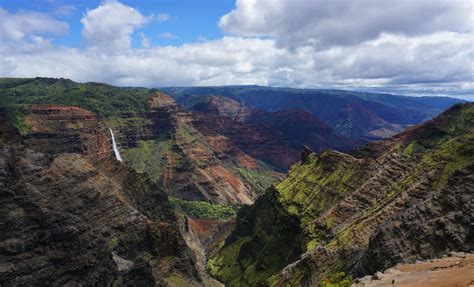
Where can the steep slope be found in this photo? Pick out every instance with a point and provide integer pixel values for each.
(72, 219)
(352, 114)
(398, 200)
(191, 165)
(153, 133)
(275, 138)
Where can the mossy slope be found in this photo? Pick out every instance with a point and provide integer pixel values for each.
(340, 204)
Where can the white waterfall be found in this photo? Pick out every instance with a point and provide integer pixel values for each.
(114, 145)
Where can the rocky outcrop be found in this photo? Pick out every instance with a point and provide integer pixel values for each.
(221, 151)
(275, 138)
(189, 164)
(70, 219)
(399, 200)
(58, 129)
(186, 163)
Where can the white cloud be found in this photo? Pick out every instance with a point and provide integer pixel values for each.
(167, 35)
(109, 26)
(323, 24)
(162, 17)
(145, 41)
(438, 62)
(64, 10)
(235, 60)
(18, 27)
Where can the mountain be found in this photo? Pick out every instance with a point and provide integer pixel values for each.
(218, 151)
(357, 115)
(154, 135)
(275, 138)
(75, 213)
(339, 216)
(83, 219)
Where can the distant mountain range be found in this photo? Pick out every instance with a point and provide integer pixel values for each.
(356, 115)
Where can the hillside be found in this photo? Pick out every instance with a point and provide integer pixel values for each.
(357, 115)
(275, 138)
(340, 216)
(154, 135)
(211, 152)
(80, 220)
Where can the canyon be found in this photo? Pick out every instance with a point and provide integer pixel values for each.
(339, 216)
(111, 186)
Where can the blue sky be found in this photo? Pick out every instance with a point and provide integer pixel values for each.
(189, 20)
(422, 47)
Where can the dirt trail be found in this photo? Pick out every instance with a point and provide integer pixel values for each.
(454, 271)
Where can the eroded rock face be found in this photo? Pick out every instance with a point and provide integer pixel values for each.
(352, 114)
(222, 151)
(189, 164)
(70, 219)
(57, 129)
(189, 167)
(273, 137)
(403, 199)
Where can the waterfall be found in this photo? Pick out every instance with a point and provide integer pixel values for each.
(114, 145)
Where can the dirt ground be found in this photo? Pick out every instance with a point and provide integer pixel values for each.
(454, 271)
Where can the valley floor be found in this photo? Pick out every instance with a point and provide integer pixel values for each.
(456, 270)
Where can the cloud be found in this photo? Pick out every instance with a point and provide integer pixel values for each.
(167, 35)
(109, 26)
(145, 41)
(323, 24)
(162, 17)
(236, 60)
(17, 27)
(64, 10)
(435, 62)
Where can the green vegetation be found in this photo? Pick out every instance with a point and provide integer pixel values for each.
(260, 179)
(313, 186)
(206, 210)
(413, 148)
(150, 157)
(337, 280)
(176, 279)
(311, 190)
(265, 240)
(16, 116)
(117, 122)
(452, 155)
(104, 100)
(218, 267)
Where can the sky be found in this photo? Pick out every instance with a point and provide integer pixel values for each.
(422, 47)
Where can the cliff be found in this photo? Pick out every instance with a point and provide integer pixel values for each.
(399, 200)
(275, 138)
(70, 219)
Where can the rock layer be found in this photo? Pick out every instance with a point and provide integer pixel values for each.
(70, 219)
(399, 200)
